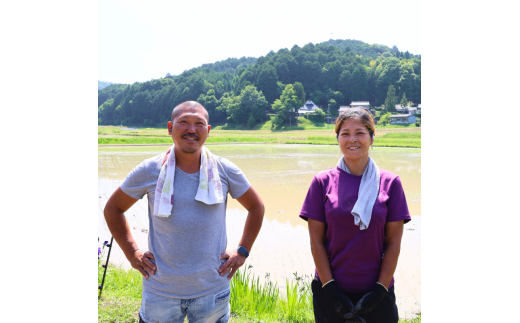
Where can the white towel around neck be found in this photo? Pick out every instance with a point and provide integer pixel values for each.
(210, 187)
(367, 195)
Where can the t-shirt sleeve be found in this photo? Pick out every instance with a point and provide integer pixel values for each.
(135, 184)
(313, 205)
(396, 204)
(237, 180)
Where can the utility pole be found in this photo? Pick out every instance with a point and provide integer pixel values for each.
(328, 114)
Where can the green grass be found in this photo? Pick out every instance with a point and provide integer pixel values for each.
(307, 132)
(134, 140)
(121, 296)
(411, 140)
(402, 135)
(250, 300)
(262, 302)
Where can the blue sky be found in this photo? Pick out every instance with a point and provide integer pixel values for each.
(138, 40)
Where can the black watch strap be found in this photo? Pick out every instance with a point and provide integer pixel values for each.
(243, 251)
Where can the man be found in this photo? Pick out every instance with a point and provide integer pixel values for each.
(187, 269)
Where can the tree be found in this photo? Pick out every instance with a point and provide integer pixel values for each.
(251, 121)
(391, 99)
(300, 93)
(266, 82)
(344, 86)
(390, 74)
(384, 119)
(404, 101)
(333, 105)
(283, 106)
(359, 85)
(249, 103)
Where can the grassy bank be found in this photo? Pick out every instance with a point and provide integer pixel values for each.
(251, 301)
(147, 136)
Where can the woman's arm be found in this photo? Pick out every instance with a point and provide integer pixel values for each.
(319, 253)
(394, 233)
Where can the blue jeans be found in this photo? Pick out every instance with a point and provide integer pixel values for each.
(212, 308)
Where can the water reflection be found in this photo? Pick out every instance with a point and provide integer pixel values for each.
(281, 174)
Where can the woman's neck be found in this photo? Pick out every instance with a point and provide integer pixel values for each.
(357, 166)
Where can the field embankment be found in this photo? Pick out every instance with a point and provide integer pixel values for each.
(385, 137)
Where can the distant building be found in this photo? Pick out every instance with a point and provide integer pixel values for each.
(356, 104)
(308, 107)
(360, 104)
(419, 108)
(343, 108)
(402, 119)
(407, 110)
(400, 109)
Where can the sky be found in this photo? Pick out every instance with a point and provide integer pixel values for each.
(141, 40)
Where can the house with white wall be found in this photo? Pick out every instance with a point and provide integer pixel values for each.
(402, 119)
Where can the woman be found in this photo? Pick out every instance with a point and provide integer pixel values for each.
(356, 213)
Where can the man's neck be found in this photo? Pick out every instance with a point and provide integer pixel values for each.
(187, 162)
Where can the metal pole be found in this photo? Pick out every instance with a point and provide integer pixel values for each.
(100, 287)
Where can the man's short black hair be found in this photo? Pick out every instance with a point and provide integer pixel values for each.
(190, 104)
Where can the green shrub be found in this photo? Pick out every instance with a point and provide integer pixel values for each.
(251, 121)
(317, 116)
(384, 119)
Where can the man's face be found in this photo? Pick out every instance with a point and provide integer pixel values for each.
(189, 129)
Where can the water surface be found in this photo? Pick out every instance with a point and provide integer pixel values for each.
(281, 174)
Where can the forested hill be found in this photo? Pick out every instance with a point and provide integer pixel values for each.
(360, 48)
(230, 64)
(327, 74)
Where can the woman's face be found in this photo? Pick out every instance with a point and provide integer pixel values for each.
(354, 139)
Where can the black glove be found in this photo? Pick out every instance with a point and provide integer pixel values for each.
(341, 303)
(369, 301)
(356, 319)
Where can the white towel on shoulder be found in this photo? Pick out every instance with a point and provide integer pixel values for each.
(367, 195)
(210, 187)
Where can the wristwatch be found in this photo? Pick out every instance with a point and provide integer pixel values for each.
(243, 251)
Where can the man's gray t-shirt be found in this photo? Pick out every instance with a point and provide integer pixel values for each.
(187, 244)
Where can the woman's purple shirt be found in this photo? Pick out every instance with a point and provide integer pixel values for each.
(355, 255)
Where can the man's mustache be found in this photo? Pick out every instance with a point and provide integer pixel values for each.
(191, 136)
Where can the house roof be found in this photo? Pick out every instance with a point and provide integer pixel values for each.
(400, 115)
(309, 105)
(359, 103)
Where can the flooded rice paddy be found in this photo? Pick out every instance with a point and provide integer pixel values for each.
(281, 174)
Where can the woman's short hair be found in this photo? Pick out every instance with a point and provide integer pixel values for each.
(356, 113)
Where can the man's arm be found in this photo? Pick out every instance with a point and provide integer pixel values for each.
(252, 202)
(114, 211)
